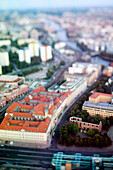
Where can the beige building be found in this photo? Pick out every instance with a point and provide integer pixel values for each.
(100, 97)
(12, 80)
(103, 109)
(26, 40)
(78, 69)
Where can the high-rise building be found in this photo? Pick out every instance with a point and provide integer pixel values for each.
(4, 59)
(24, 55)
(34, 49)
(21, 55)
(46, 53)
(27, 55)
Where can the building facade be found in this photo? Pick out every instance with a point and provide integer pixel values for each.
(75, 87)
(34, 49)
(5, 42)
(4, 59)
(33, 118)
(88, 70)
(13, 80)
(46, 53)
(85, 125)
(101, 97)
(24, 55)
(13, 92)
(103, 109)
(2, 101)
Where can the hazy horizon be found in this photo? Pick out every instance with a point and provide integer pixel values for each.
(52, 4)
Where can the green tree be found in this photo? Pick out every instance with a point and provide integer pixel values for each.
(73, 128)
(77, 141)
(90, 132)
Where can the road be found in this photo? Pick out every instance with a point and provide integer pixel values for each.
(61, 72)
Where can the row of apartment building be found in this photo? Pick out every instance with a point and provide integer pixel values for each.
(79, 69)
(99, 103)
(11, 87)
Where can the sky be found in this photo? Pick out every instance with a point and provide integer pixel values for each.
(30, 4)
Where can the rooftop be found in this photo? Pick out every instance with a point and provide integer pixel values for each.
(29, 126)
(8, 78)
(105, 106)
(96, 94)
(27, 114)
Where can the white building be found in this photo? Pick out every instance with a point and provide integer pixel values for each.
(46, 53)
(79, 69)
(5, 42)
(24, 55)
(26, 40)
(60, 45)
(4, 59)
(75, 87)
(0, 69)
(27, 56)
(34, 49)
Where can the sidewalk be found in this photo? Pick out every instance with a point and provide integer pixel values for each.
(86, 149)
(29, 145)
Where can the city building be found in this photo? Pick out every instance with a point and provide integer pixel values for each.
(101, 97)
(5, 43)
(103, 109)
(59, 45)
(75, 87)
(85, 125)
(12, 92)
(0, 69)
(25, 40)
(108, 71)
(54, 88)
(34, 49)
(79, 69)
(12, 80)
(34, 84)
(34, 34)
(79, 84)
(2, 101)
(4, 59)
(32, 119)
(24, 55)
(46, 53)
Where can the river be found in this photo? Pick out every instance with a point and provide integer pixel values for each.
(99, 60)
(61, 34)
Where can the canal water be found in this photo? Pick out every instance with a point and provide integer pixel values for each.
(62, 36)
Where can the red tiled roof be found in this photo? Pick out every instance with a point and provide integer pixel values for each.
(32, 126)
(44, 125)
(12, 107)
(96, 94)
(18, 125)
(21, 114)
